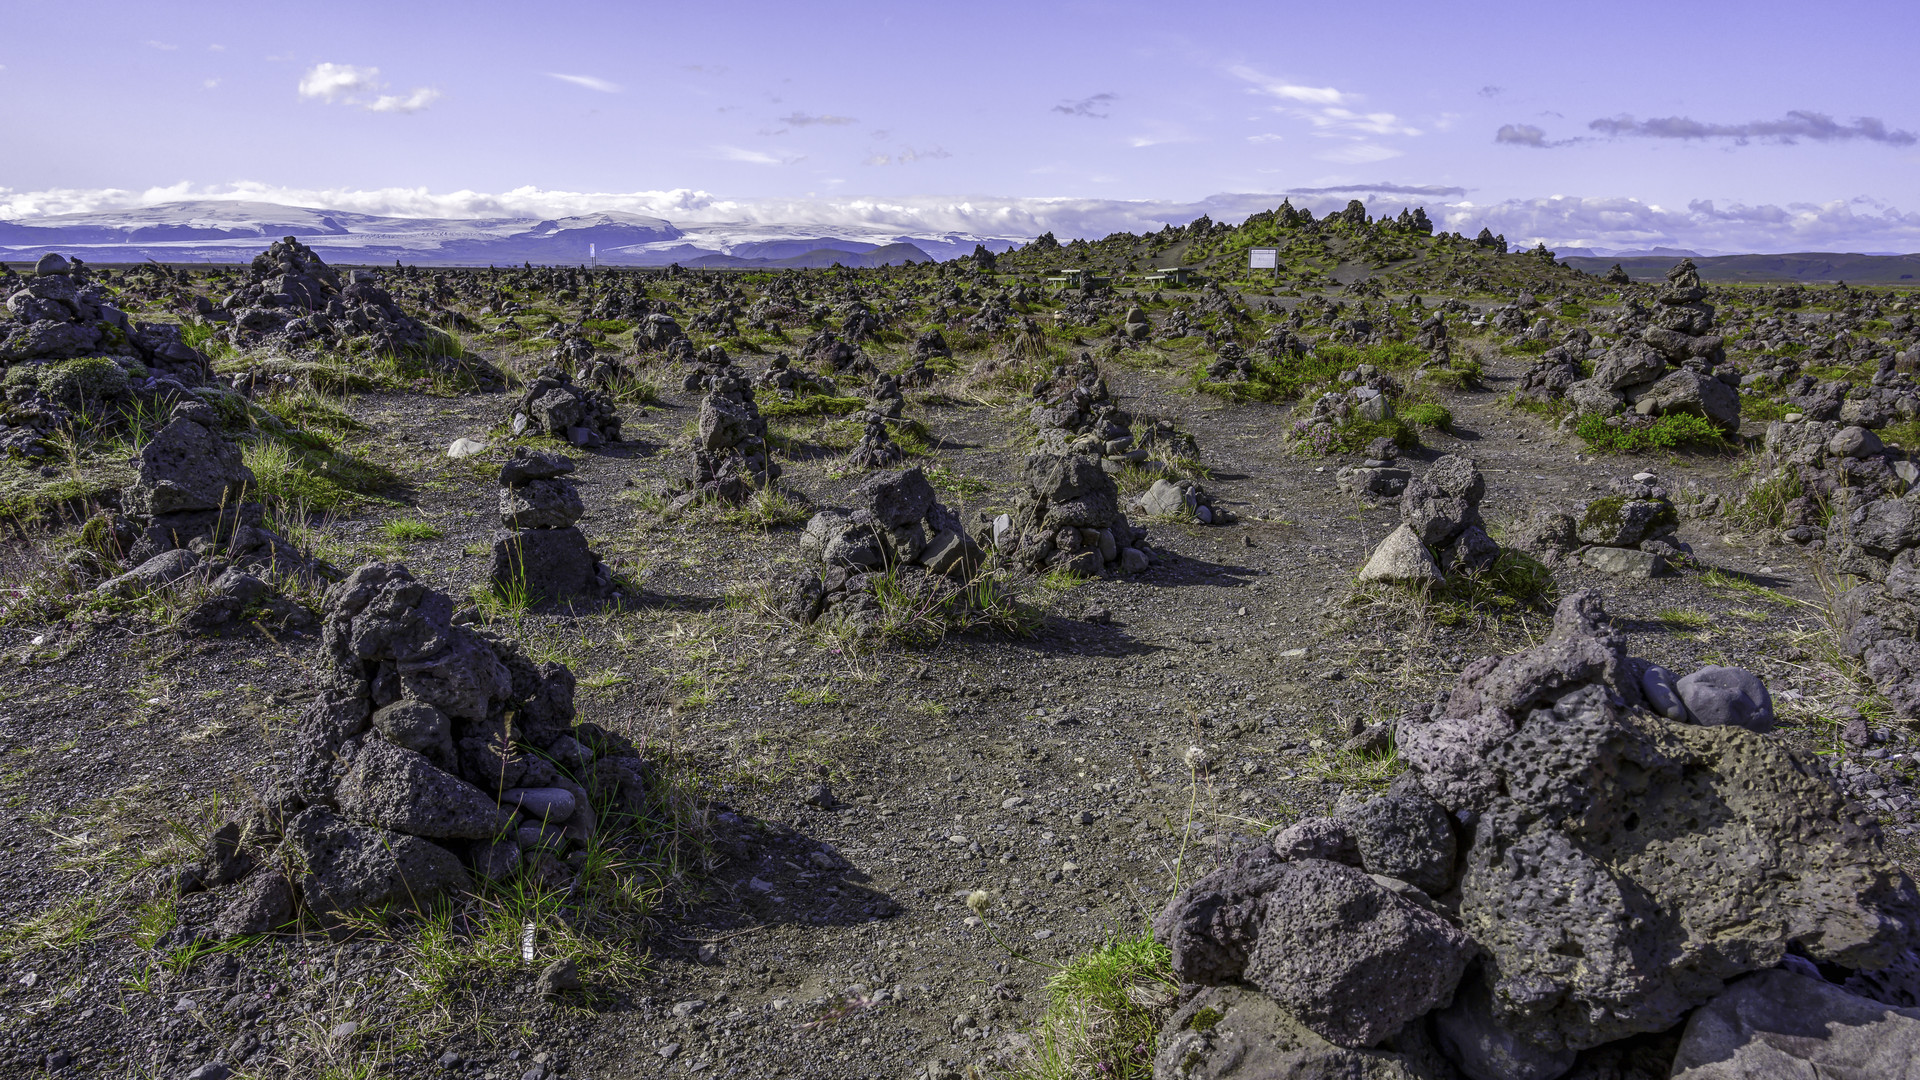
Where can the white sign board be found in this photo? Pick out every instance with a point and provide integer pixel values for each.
(1263, 258)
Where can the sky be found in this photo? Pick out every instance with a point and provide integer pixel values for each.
(1754, 126)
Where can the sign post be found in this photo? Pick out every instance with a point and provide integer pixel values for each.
(1265, 259)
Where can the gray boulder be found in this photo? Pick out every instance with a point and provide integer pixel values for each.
(1350, 959)
(541, 504)
(262, 905)
(1657, 684)
(550, 564)
(1790, 1026)
(161, 570)
(346, 867)
(1623, 867)
(1625, 562)
(1409, 837)
(1401, 559)
(188, 465)
(1345, 956)
(1234, 1033)
(1727, 695)
(1628, 366)
(1445, 499)
(419, 727)
(397, 789)
(1694, 393)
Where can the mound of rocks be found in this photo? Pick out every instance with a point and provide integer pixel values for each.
(1640, 375)
(1136, 327)
(554, 406)
(1073, 410)
(1179, 498)
(731, 459)
(876, 448)
(292, 295)
(539, 552)
(66, 350)
(186, 522)
(1583, 850)
(1376, 477)
(1630, 529)
(1069, 517)
(1827, 463)
(898, 531)
(1440, 529)
(1367, 398)
(435, 754)
(657, 333)
(789, 382)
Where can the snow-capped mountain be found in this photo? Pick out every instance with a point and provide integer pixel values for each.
(223, 231)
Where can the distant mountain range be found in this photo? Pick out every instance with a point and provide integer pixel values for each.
(1806, 266)
(222, 231)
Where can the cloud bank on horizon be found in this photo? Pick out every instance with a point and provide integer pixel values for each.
(1557, 221)
(747, 111)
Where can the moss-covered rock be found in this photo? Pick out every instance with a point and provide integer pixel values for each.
(91, 384)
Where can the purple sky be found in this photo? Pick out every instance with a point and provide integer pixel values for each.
(1758, 126)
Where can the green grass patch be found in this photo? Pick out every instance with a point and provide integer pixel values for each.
(811, 405)
(1669, 432)
(1104, 1010)
(1428, 414)
(410, 530)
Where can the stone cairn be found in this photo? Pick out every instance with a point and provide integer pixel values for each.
(1073, 410)
(1069, 517)
(557, 408)
(898, 528)
(1367, 395)
(788, 382)
(1878, 541)
(885, 405)
(1830, 464)
(539, 551)
(1376, 477)
(187, 521)
(731, 459)
(1582, 850)
(436, 753)
(1639, 375)
(1440, 530)
(293, 296)
(1179, 498)
(66, 349)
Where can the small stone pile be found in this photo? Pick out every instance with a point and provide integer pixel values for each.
(1878, 541)
(789, 382)
(1440, 530)
(1176, 498)
(539, 551)
(554, 406)
(1549, 378)
(1630, 529)
(1376, 477)
(1137, 327)
(657, 332)
(1069, 517)
(931, 345)
(186, 521)
(876, 448)
(293, 296)
(1583, 850)
(899, 530)
(1073, 410)
(1368, 398)
(1639, 374)
(1829, 464)
(731, 459)
(435, 753)
(67, 350)
(1232, 364)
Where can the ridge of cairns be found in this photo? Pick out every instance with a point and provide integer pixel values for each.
(1420, 659)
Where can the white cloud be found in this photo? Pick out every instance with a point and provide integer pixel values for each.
(1266, 137)
(751, 157)
(415, 100)
(1267, 84)
(209, 84)
(1857, 224)
(907, 157)
(162, 46)
(1359, 153)
(332, 82)
(361, 87)
(800, 119)
(587, 81)
(216, 48)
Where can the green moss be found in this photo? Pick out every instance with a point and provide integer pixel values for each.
(1603, 514)
(94, 384)
(1206, 1018)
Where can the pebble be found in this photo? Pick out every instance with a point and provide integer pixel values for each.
(1012, 803)
(669, 1051)
(684, 1009)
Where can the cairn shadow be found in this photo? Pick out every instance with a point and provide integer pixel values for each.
(775, 874)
